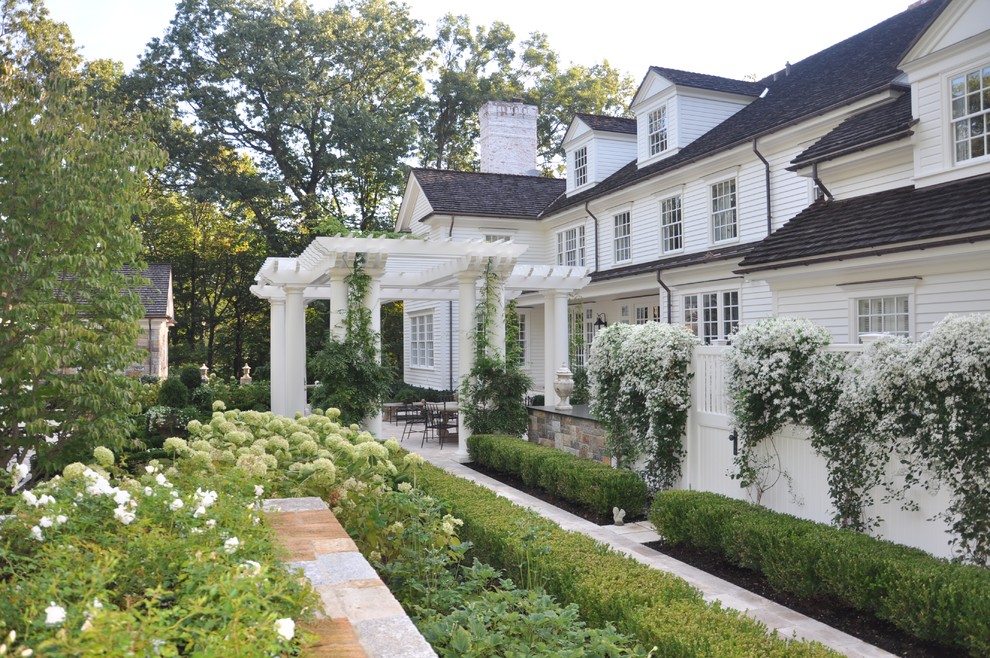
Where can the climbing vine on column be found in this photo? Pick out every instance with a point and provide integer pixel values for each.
(350, 371)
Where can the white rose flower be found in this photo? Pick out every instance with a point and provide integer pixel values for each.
(231, 544)
(36, 533)
(54, 615)
(176, 504)
(123, 515)
(46, 522)
(286, 628)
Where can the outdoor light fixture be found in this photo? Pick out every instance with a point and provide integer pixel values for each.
(734, 438)
(600, 323)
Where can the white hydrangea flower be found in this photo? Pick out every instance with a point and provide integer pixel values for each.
(54, 615)
(29, 498)
(121, 497)
(286, 628)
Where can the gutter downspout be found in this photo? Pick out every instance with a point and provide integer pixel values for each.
(670, 300)
(150, 345)
(766, 168)
(818, 181)
(588, 210)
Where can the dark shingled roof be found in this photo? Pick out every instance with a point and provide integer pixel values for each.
(710, 82)
(858, 67)
(609, 124)
(877, 222)
(673, 262)
(154, 296)
(489, 195)
(887, 123)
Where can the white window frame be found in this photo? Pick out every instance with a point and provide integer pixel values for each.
(493, 237)
(579, 359)
(642, 314)
(871, 290)
(521, 336)
(421, 346)
(671, 225)
(622, 237)
(656, 131)
(969, 113)
(581, 166)
(724, 211)
(712, 315)
(570, 247)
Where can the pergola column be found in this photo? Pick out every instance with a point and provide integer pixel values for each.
(466, 304)
(277, 357)
(554, 340)
(498, 321)
(372, 302)
(338, 301)
(295, 351)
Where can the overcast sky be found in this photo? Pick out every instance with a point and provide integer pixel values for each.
(732, 38)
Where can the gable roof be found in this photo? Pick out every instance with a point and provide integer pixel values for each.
(608, 124)
(889, 122)
(710, 82)
(156, 296)
(488, 195)
(860, 66)
(894, 220)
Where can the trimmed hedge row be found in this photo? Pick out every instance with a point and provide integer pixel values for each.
(930, 598)
(657, 608)
(593, 485)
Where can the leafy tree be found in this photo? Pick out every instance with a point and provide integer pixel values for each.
(72, 174)
(320, 100)
(471, 67)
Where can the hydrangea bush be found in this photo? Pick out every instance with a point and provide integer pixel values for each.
(640, 392)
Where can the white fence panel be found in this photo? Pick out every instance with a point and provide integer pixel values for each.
(804, 492)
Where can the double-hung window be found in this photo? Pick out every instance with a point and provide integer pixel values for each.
(570, 247)
(671, 229)
(622, 250)
(580, 334)
(712, 315)
(421, 341)
(970, 98)
(581, 166)
(724, 226)
(657, 130)
(521, 338)
(883, 315)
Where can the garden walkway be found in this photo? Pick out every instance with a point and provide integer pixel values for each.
(629, 539)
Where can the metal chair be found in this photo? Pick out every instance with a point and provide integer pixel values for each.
(411, 414)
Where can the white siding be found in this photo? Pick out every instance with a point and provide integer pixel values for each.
(611, 154)
(438, 376)
(696, 116)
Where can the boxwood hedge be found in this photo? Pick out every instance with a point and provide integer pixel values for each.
(590, 484)
(929, 598)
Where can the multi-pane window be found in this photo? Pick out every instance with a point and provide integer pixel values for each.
(670, 224)
(724, 225)
(622, 238)
(970, 96)
(580, 334)
(883, 315)
(521, 338)
(642, 314)
(657, 130)
(581, 166)
(489, 237)
(570, 247)
(421, 341)
(712, 315)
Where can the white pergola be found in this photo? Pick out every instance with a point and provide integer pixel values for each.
(405, 268)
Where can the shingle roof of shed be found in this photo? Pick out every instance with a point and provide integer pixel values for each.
(880, 221)
(889, 122)
(861, 65)
(609, 124)
(155, 295)
(490, 195)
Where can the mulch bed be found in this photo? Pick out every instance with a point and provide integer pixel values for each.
(864, 626)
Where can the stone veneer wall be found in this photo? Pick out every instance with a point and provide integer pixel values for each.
(577, 433)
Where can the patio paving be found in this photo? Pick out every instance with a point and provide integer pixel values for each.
(629, 539)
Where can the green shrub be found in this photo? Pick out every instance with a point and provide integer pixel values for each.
(191, 377)
(593, 485)
(202, 398)
(655, 607)
(173, 393)
(929, 598)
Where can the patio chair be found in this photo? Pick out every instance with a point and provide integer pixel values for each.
(411, 414)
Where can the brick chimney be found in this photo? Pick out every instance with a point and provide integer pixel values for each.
(508, 138)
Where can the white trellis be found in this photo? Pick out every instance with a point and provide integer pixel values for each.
(403, 269)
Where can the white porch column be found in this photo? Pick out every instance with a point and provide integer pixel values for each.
(466, 303)
(498, 321)
(295, 351)
(372, 302)
(554, 340)
(277, 355)
(338, 301)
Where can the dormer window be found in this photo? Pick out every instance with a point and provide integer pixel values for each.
(971, 113)
(581, 166)
(657, 130)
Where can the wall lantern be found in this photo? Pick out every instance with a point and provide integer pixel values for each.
(601, 323)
